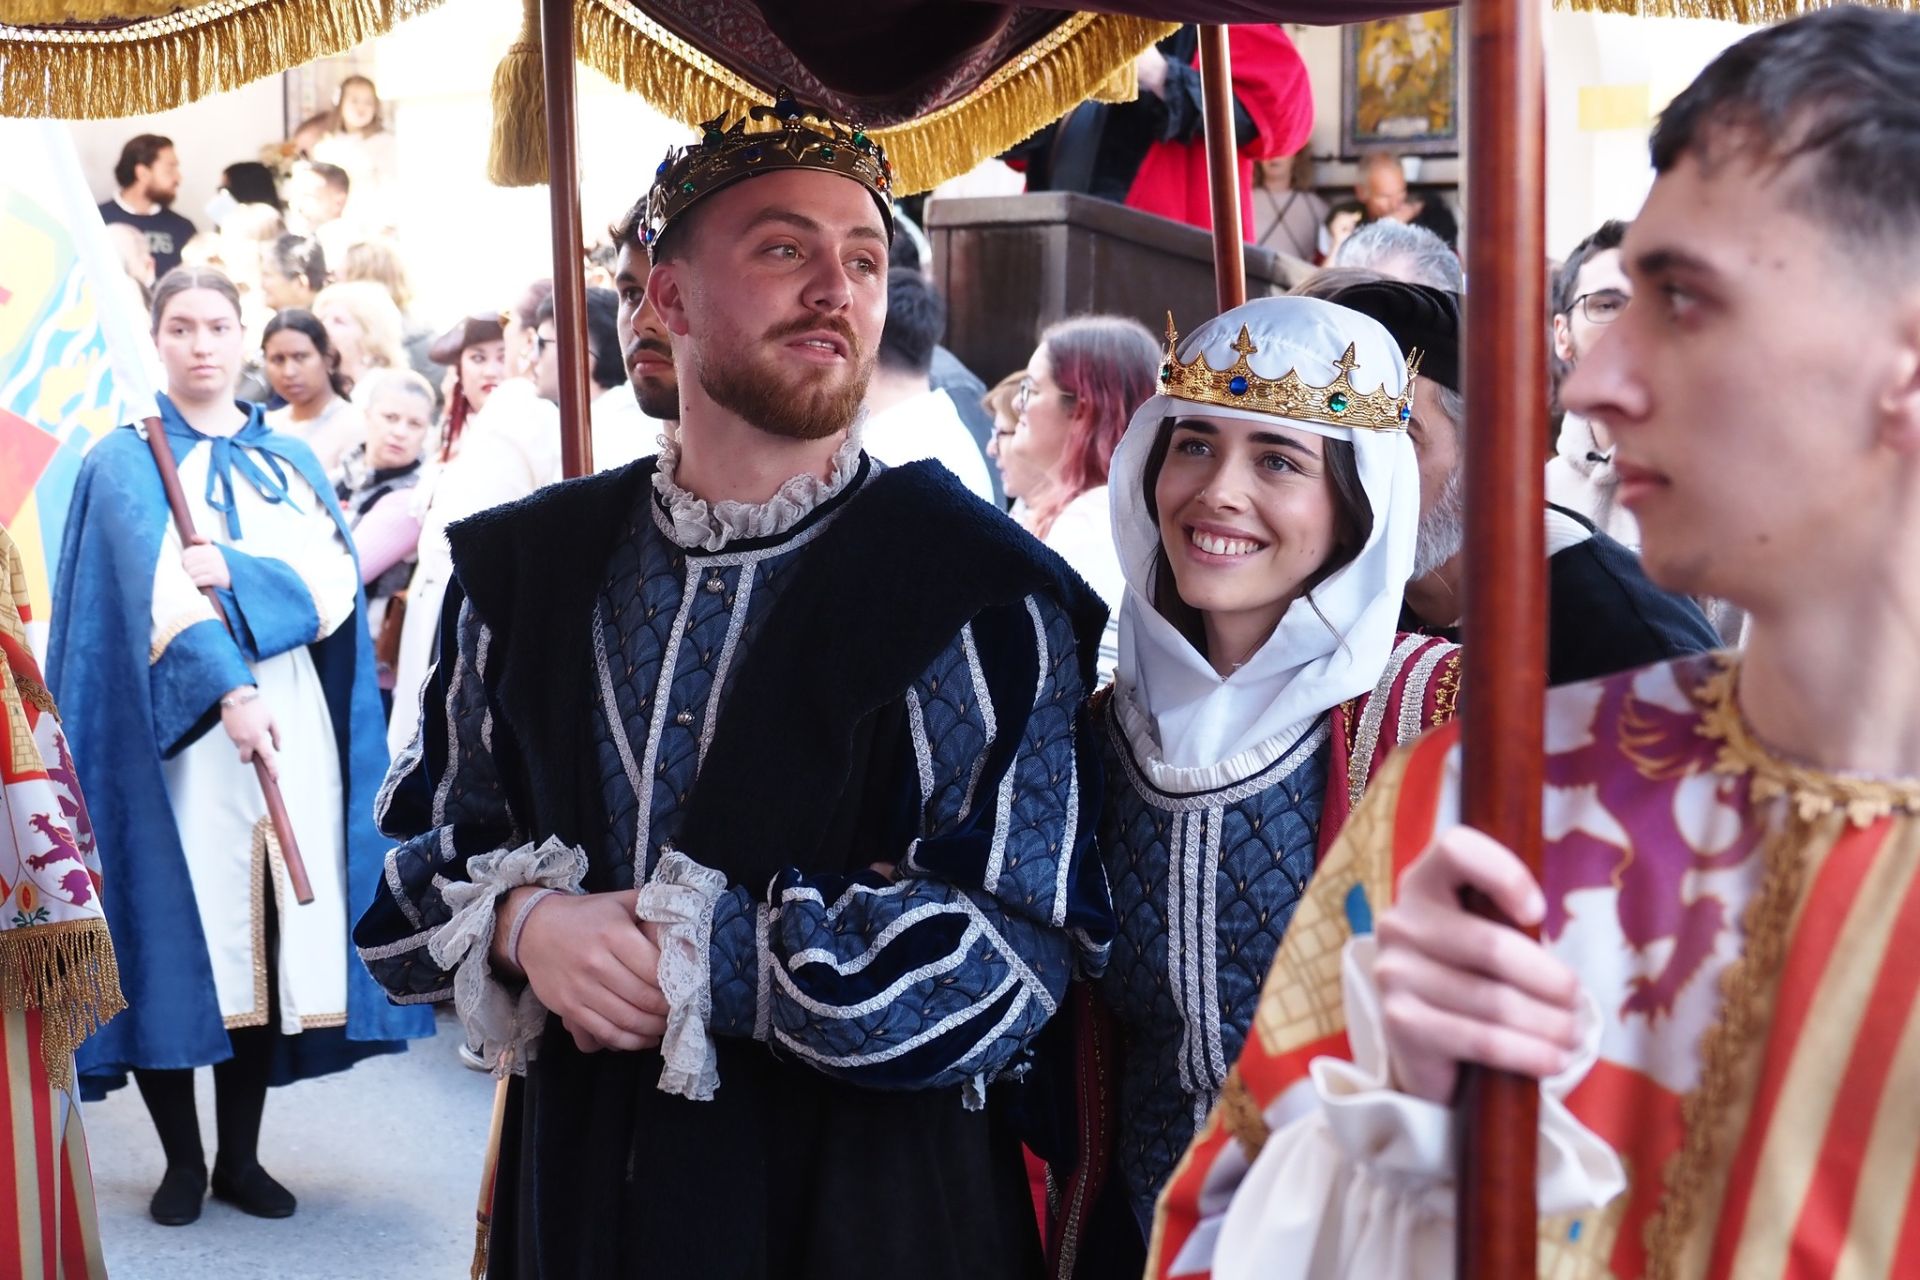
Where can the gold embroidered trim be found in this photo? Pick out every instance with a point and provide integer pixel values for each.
(1446, 694)
(321, 1021)
(35, 693)
(1813, 793)
(1746, 990)
(265, 846)
(180, 622)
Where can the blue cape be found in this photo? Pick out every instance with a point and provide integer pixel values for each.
(123, 716)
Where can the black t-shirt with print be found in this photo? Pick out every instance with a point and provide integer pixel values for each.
(166, 231)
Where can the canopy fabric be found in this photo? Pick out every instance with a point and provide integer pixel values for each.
(939, 108)
(126, 62)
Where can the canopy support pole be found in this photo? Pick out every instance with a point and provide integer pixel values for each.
(1223, 167)
(1503, 689)
(569, 282)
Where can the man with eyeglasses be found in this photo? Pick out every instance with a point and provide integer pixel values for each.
(1589, 292)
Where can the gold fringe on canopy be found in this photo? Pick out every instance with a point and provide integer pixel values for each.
(517, 156)
(165, 62)
(1753, 13)
(35, 12)
(67, 972)
(1087, 55)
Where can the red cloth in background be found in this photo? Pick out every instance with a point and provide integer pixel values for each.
(1270, 81)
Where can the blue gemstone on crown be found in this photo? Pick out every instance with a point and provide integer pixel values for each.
(1406, 413)
(1238, 386)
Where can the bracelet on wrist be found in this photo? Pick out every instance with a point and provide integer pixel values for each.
(240, 698)
(520, 922)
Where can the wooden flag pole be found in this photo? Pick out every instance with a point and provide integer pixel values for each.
(563, 193)
(1504, 686)
(156, 433)
(1223, 167)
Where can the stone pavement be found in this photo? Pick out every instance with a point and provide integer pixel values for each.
(385, 1159)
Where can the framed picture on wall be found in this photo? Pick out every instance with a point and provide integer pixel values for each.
(1400, 85)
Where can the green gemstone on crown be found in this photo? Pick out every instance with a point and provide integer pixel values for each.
(1338, 402)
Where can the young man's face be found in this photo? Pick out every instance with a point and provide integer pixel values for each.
(1601, 292)
(646, 348)
(546, 364)
(1750, 387)
(776, 300)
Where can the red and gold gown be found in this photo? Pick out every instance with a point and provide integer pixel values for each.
(1747, 932)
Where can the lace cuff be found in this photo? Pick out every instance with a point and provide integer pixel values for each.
(506, 1024)
(680, 897)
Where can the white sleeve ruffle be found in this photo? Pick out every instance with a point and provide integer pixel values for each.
(1363, 1184)
(504, 1024)
(679, 897)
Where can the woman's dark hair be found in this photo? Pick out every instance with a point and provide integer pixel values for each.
(250, 182)
(305, 322)
(181, 279)
(1352, 526)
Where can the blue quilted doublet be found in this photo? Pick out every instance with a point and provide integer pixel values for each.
(936, 968)
(1203, 887)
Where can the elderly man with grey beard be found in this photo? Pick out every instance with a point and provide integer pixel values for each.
(1603, 614)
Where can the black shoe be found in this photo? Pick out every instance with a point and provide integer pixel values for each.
(177, 1202)
(253, 1191)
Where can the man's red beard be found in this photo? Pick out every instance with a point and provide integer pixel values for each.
(811, 405)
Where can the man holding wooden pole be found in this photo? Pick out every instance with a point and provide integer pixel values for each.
(1717, 1011)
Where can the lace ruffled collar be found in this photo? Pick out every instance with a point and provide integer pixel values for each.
(700, 525)
(1814, 793)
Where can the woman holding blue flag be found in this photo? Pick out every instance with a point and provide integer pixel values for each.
(166, 710)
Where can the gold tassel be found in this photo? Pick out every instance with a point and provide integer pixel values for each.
(67, 971)
(1086, 54)
(181, 57)
(518, 156)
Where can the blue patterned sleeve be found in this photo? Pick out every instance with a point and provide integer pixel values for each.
(444, 802)
(941, 973)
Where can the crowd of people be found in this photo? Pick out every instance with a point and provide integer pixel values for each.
(871, 772)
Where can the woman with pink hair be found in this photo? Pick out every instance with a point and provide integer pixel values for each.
(1085, 379)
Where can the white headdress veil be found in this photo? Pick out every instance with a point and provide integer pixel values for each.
(1182, 716)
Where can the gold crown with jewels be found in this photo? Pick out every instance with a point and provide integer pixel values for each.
(1338, 404)
(726, 153)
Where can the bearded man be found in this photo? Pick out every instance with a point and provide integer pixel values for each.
(749, 813)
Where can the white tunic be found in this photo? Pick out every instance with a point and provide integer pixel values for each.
(218, 809)
(507, 450)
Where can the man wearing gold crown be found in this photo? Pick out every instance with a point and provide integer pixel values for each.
(1723, 1009)
(749, 812)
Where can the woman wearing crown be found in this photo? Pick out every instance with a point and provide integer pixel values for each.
(1264, 506)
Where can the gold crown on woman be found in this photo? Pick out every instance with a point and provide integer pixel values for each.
(1339, 403)
(726, 153)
